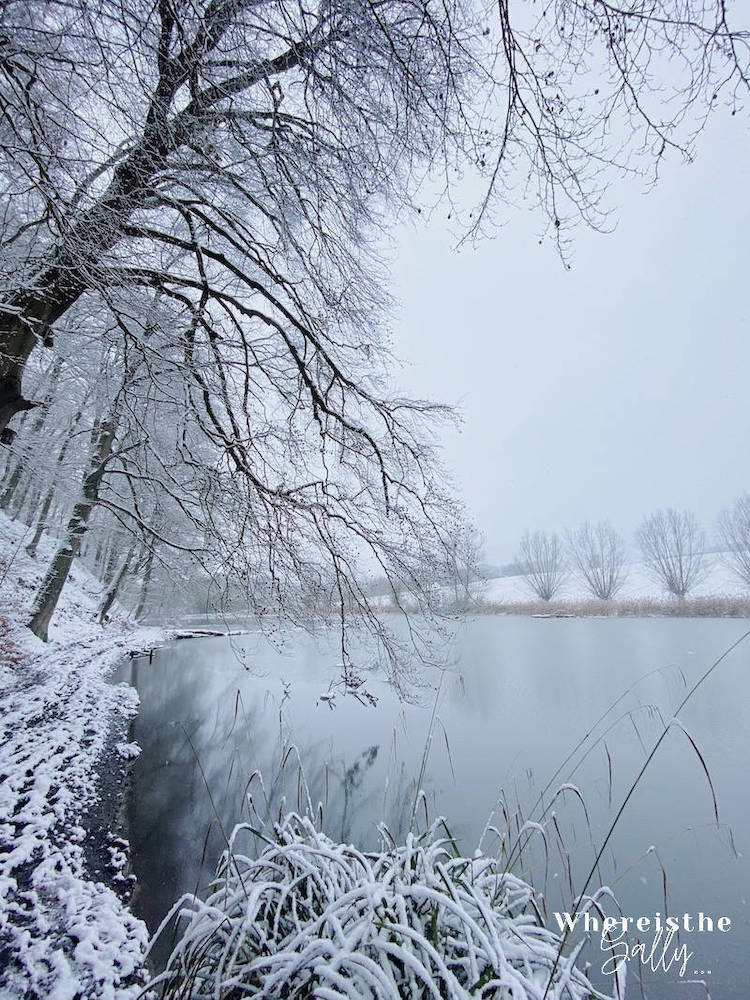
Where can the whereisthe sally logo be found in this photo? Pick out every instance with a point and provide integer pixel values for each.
(659, 951)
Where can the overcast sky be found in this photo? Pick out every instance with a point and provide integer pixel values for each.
(601, 392)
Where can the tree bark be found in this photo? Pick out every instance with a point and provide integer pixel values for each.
(145, 583)
(109, 563)
(109, 597)
(20, 500)
(13, 478)
(57, 573)
(11, 485)
(28, 510)
(25, 320)
(16, 344)
(41, 523)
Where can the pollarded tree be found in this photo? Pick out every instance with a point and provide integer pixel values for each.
(734, 532)
(541, 556)
(673, 548)
(598, 553)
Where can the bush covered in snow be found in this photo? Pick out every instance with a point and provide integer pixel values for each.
(310, 917)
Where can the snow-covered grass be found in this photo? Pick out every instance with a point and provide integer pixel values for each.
(310, 917)
(720, 592)
(64, 934)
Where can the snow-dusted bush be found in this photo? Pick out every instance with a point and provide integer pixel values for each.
(313, 918)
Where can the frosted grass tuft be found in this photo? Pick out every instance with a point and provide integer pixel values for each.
(310, 917)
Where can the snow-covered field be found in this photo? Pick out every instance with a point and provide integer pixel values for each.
(639, 584)
(63, 932)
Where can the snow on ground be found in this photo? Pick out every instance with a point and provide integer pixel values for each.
(63, 933)
(639, 585)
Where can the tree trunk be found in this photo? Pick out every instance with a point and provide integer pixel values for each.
(16, 344)
(109, 561)
(109, 597)
(11, 485)
(20, 499)
(145, 583)
(14, 477)
(41, 523)
(28, 515)
(54, 580)
(28, 313)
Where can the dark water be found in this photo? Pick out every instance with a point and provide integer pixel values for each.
(519, 695)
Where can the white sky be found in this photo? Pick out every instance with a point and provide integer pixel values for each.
(604, 391)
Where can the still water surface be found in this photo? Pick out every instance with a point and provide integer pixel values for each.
(519, 695)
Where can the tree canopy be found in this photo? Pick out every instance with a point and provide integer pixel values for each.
(193, 200)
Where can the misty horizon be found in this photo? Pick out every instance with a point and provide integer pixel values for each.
(601, 392)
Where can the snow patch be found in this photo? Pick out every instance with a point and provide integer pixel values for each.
(62, 934)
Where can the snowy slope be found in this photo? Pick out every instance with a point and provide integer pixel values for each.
(63, 934)
(639, 585)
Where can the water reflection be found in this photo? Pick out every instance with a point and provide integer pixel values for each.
(232, 728)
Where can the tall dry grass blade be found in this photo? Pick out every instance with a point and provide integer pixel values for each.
(696, 686)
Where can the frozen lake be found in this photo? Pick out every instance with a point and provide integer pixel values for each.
(519, 695)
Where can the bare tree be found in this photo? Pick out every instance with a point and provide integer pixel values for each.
(541, 557)
(197, 191)
(734, 532)
(598, 553)
(673, 548)
(464, 563)
(57, 573)
(115, 582)
(267, 139)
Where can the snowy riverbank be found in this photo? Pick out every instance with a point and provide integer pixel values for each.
(64, 930)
